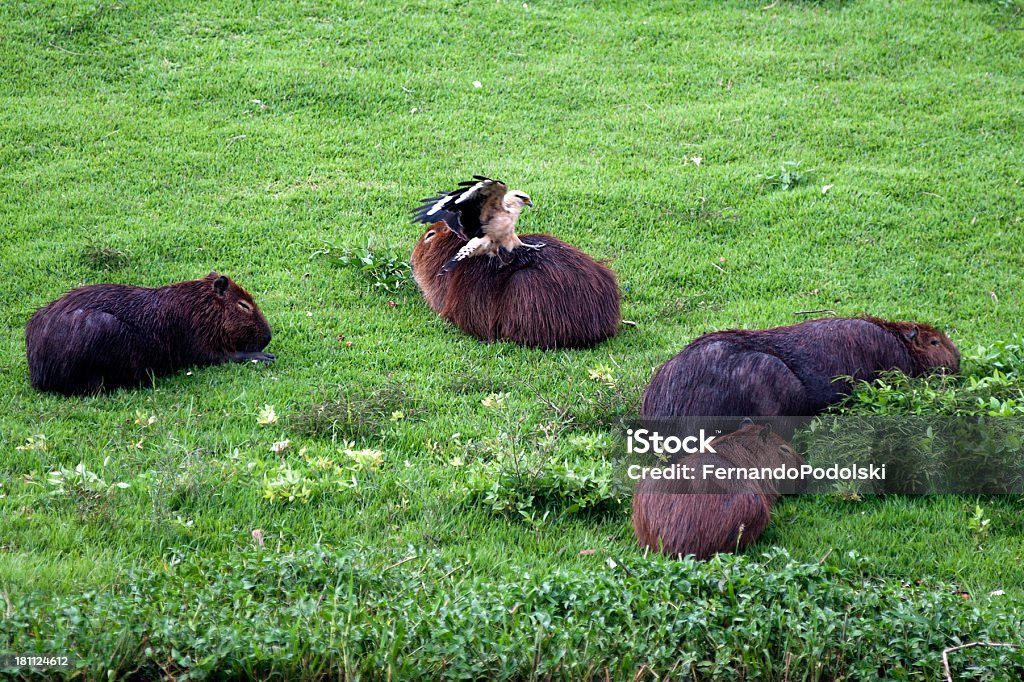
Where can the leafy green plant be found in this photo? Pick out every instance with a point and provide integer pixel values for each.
(530, 489)
(978, 524)
(287, 485)
(387, 271)
(105, 258)
(81, 481)
(938, 433)
(991, 383)
(358, 413)
(789, 177)
(529, 475)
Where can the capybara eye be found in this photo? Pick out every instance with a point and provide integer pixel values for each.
(935, 342)
(429, 235)
(244, 305)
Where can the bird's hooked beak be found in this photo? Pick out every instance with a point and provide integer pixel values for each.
(529, 202)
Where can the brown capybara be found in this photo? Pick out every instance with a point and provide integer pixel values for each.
(553, 297)
(106, 336)
(704, 516)
(791, 371)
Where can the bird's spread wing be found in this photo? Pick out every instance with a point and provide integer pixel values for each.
(468, 209)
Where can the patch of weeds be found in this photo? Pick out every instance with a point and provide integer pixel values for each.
(36, 443)
(991, 384)
(700, 213)
(104, 258)
(789, 177)
(356, 416)
(599, 405)
(286, 485)
(937, 433)
(313, 475)
(532, 487)
(978, 524)
(530, 475)
(385, 271)
(743, 617)
(1012, 11)
(87, 490)
(698, 302)
(81, 482)
(471, 383)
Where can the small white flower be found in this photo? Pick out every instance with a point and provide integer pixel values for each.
(477, 84)
(280, 446)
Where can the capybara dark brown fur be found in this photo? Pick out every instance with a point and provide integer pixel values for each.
(790, 371)
(703, 516)
(554, 297)
(106, 336)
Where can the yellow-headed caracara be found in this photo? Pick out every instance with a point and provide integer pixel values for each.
(483, 212)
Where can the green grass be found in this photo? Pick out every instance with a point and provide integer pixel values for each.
(153, 142)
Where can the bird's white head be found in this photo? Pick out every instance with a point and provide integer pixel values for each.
(515, 200)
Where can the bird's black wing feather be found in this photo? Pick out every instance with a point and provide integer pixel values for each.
(419, 214)
(461, 213)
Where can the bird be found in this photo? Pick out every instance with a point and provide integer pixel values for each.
(483, 212)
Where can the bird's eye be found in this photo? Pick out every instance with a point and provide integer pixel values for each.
(244, 305)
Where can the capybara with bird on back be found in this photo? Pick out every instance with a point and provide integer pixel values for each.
(106, 336)
(703, 516)
(792, 370)
(553, 297)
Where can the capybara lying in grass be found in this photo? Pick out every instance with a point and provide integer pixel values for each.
(554, 297)
(108, 336)
(704, 516)
(790, 371)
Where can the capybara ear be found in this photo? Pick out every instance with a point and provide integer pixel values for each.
(747, 421)
(766, 431)
(220, 285)
(912, 334)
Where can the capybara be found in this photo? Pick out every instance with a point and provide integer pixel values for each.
(791, 371)
(106, 336)
(554, 297)
(704, 516)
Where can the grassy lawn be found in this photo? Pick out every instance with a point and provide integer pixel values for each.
(148, 143)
